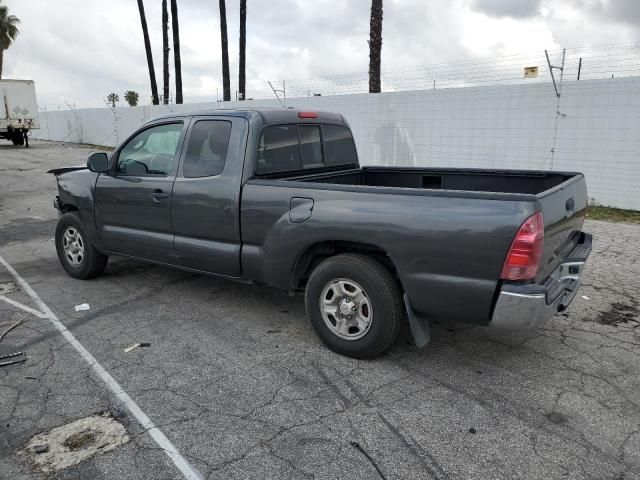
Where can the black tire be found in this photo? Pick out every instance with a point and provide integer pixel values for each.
(17, 138)
(88, 265)
(380, 289)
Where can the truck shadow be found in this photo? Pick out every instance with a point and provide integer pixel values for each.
(263, 318)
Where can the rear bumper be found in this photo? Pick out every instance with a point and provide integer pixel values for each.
(529, 306)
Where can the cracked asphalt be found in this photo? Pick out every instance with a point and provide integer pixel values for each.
(239, 383)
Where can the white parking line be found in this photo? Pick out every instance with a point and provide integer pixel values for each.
(23, 307)
(163, 442)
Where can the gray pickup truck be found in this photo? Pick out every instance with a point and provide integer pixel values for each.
(278, 197)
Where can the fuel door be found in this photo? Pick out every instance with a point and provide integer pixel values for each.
(300, 209)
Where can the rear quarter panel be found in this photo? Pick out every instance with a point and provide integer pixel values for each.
(448, 250)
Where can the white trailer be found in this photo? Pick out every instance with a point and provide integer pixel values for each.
(18, 110)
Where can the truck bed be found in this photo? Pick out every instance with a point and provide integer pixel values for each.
(504, 181)
(455, 225)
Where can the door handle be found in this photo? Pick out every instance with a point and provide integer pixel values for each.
(158, 195)
(569, 205)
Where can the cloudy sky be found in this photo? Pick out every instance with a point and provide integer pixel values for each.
(80, 50)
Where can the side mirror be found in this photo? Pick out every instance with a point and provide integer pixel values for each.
(98, 162)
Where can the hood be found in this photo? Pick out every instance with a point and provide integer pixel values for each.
(61, 170)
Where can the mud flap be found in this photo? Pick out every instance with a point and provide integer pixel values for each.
(420, 328)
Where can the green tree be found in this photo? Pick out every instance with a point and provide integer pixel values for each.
(8, 31)
(147, 47)
(375, 45)
(226, 85)
(112, 98)
(131, 97)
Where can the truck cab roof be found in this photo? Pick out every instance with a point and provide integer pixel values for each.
(266, 115)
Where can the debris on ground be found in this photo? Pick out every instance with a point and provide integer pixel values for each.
(70, 444)
(40, 448)
(7, 287)
(12, 358)
(82, 307)
(19, 322)
(136, 345)
(585, 297)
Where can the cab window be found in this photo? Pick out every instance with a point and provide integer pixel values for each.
(339, 147)
(278, 150)
(150, 152)
(296, 147)
(311, 146)
(207, 148)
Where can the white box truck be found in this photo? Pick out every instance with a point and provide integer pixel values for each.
(18, 110)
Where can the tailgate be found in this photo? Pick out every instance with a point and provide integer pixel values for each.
(563, 209)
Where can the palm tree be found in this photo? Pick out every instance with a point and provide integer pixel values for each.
(131, 98)
(243, 47)
(147, 47)
(8, 31)
(375, 45)
(226, 87)
(112, 98)
(165, 53)
(176, 50)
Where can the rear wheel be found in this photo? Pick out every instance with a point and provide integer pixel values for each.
(17, 138)
(76, 253)
(353, 304)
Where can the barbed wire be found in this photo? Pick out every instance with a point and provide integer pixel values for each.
(590, 62)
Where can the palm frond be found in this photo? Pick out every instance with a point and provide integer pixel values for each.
(8, 27)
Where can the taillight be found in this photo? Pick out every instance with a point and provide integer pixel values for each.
(307, 115)
(524, 256)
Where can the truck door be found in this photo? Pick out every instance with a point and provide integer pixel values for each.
(133, 202)
(206, 196)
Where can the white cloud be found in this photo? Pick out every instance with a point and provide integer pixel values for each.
(80, 51)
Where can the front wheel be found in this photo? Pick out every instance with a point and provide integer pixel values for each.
(353, 304)
(76, 253)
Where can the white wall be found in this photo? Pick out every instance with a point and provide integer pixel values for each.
(597, 130)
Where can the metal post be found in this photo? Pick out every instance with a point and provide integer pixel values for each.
(275, 92)
(558, 89)
(579, 67)
(553, 78)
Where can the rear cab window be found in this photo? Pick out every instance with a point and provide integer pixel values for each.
(278, 149)
(295, 147)
(340, 149)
